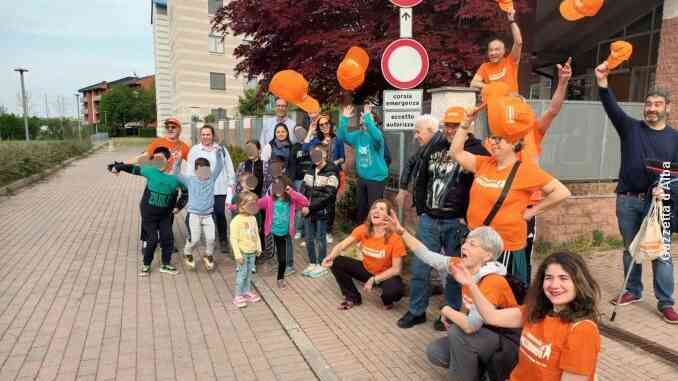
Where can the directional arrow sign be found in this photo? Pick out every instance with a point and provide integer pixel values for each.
(406, 3)
(405, 22)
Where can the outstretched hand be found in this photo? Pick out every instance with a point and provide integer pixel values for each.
(511, 14)
(347, 111)
(602, 71)
(565, 70)
(392, 222)
(461, 274)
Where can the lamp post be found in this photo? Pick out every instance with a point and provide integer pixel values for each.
(23, 101)
(77, 105)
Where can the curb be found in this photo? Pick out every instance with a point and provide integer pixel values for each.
(308, 351)
(10, 189)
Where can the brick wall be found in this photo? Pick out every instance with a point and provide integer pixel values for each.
(667, 65)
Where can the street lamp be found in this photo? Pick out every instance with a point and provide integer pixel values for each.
(77, 104)
(23, 101)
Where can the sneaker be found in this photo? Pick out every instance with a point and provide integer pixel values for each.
(289, 271)
(669, 315)
(190, 262)
(308, 269)
(408, 320)
(252, 297)
(438, 325)
(254, 270)
(297, 236)
(240, 301)
(208, 261)
(281, 283)
(303, 244)
(317, 272)
(626, 299)
(329, 238)
(145, 270)
(174, 250)
(168, 269)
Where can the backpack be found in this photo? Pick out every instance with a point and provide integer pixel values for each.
(518, 288)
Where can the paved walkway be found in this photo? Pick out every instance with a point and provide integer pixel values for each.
(73, 307)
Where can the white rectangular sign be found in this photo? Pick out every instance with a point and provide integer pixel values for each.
(403, 99)
(400, 120)
(405, 22)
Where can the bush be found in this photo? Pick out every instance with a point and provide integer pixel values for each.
(22, 159)
(237, 154)
(347, 207)
(147, 133)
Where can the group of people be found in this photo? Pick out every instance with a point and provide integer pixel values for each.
(476, 203)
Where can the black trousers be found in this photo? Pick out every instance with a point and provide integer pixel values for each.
(281, 254)
(331, 213)
(152, 227)
(367, 192)
(531, 229)
(346, 269)
(220, 217)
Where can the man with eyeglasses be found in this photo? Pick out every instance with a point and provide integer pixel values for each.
(280, 117)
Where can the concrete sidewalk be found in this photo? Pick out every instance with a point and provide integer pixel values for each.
(72, 305)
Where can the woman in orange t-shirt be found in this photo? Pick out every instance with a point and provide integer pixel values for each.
(381, 253)
(560, 339)
(491, 174)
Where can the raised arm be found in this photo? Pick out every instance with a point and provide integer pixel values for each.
(620, 120)
(371, 127)
(466, 159)
(122, 167)
(564, 75)
(517, 48)
(342, 131)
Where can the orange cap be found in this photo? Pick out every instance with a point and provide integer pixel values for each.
(505, 5)
(509, 117)
(620, 51)
(173, 121)
(454, 115)
(293, 87)
(573, 10)
(351, 70)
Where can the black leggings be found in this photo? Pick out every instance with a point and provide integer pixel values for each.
(150, 228)
(346, 269)
(281, 254)
(368, 192)
(220, 217)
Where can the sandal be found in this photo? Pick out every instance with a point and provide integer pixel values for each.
(347, 305)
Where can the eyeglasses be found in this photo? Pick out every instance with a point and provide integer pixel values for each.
(495, 139)
(324, 124)
(170, 127)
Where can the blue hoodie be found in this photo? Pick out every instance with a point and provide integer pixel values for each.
(368, 145)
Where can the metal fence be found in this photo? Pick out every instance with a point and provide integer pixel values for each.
(581, 144)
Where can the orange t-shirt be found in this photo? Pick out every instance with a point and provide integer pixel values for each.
(532, 149)
(496, 290)
(172, 146)
(550, 347)
(505, 70)
(485, 191)
(377, 254)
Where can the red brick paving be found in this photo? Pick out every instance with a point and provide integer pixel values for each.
(73, 307)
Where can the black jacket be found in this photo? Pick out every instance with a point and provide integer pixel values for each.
(320, 189)
(441, 186)
(300, 162)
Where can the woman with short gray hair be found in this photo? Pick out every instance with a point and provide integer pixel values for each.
(471, 349)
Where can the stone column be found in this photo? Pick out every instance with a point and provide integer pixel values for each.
(667, 65)
(444, 97)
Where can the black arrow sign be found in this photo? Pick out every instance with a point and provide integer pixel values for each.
(406, 16)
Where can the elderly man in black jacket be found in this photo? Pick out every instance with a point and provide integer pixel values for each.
(441, 196)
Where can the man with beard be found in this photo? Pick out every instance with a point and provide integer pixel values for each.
(651, 138)
(441, 195)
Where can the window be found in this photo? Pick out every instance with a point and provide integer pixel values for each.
(162, 11)
(214, 5)
(218, 113)
(217, 81)
(215, 44)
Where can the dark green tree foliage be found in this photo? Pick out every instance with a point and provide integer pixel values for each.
(123, 104)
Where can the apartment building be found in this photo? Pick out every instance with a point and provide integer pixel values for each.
(91, 95)
(194, 68)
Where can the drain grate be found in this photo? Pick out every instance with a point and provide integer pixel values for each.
(665, 354)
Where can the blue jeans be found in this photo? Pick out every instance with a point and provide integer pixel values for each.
(316, 231)
(630, 214)
(435, 234)
(243, 274)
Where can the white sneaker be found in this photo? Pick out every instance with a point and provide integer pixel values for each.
(297, 236)
(317, 272)
(303, 244)
(329, 238)
(308, 269)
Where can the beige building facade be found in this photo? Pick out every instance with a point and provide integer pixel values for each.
(194, 68)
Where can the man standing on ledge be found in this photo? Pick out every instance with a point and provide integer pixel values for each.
(650, 138)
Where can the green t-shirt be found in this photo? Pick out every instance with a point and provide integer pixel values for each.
(281, 218)
(161, 190)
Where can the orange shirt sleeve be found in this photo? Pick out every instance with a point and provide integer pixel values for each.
(497, 291)
(580, 353)
(481, 161)
(184, 150)
(482, 72)
(151, 146)
(359, 233)
(397, 246)
(532, 177)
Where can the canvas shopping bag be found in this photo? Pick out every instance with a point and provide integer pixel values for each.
(648, 243)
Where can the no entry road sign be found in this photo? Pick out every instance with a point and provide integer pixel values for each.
(404, 63)
(406, 3)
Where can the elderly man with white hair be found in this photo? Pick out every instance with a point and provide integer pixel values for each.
(441, 195)
(470, 348)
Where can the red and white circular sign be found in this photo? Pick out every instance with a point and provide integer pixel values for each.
(406, 3)
(404, 63)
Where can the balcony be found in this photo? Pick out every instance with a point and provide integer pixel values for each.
(97, 98)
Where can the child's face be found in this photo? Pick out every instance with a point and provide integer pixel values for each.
(203, 172)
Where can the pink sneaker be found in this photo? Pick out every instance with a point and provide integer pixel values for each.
(252, 297)
(626, 299)
(669, 315)
(240, 301)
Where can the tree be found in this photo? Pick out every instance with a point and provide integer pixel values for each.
(123, 104)
(251, 102)
(312, 36)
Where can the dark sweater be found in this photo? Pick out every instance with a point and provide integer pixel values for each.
(638, 143)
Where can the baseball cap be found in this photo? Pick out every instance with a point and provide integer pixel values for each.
(173, 121)
(293, 87)
(505, 5)
(573, 10)
(509, 117)
(351, 70)
(454, 115)
(620, 51)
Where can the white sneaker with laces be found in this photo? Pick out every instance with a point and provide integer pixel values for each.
(308, 269)
(329, 238)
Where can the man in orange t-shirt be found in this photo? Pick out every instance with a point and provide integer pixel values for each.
(501, 67)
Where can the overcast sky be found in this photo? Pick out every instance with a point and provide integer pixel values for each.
(68, 45)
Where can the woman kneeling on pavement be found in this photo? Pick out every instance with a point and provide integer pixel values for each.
(560, 338)
(382, 254)
(471, 348)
